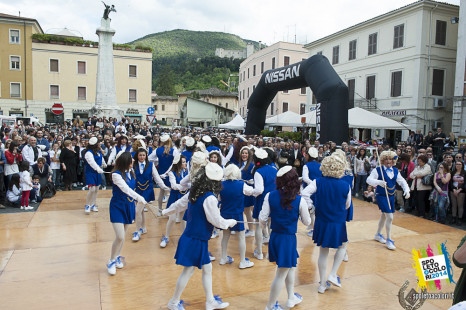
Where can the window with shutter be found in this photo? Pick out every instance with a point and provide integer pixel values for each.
(132, 71)
(81, 67)
(53, 65)
(54, 92)
(81, 93)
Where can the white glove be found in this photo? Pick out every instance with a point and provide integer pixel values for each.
(104, 165)
(45, 153)
(231, 223)
(251, 181)
(142, 200)
(163, 176)
(100, 171)
(166, 188)
(382, 184)
(406, 195)
(42, 147)
(312, 210)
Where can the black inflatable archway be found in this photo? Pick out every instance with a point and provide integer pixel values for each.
(330, 91)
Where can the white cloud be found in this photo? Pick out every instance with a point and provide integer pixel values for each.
(268, 21)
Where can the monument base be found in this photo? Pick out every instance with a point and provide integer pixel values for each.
(108, 112)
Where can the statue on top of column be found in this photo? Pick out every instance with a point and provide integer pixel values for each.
(108, 9)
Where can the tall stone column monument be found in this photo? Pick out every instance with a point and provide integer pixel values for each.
(105, 98)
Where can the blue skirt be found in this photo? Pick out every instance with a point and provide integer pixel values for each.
(174, 196)
(122, 211)
(383, 203)
(192, 252)
(258, 206)
(349, 217)
(238, 217)
(148, 193)
(329, 235)
(282, 250)
(249, 201)
(93, 178)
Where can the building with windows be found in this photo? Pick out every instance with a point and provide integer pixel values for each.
(459, 111)
(16, 82)
(166, 110)
(59, 72)
(400, 64)
(212, 95)
(201, 113)
(251, 69)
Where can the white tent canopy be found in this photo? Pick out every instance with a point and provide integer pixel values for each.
(360, 118)
(287, 119)
(237, 123)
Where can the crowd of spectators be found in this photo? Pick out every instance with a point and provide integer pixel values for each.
(434, 172)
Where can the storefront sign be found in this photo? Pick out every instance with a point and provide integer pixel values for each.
(132, 111)
(394, 113)
(80, 111)
(15, 109)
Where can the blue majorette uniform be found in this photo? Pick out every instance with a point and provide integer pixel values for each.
(145, 181)
(176, 194)
(165, 162)
(380, 191)
(232, 202)
(313, 169)
(93, 178)
(193, 245)
(150, 149)
(331, 213)
(123, 207)
(246, 175)
(269, 175)
(284, 225)
(348, 178)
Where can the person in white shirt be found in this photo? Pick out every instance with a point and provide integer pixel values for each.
(385, 179)
(122, 145)
(14, 191)
(55, 164)
(31, 152)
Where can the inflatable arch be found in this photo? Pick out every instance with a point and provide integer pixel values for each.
(330, 91)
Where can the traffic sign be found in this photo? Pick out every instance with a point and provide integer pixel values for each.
(150, 110)
(57, 109)
(151, 119)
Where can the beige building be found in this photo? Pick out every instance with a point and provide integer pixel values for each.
(166, 109)
(55, 72)
(16, 83)
(277, 55)
(67, 74)
(212, 95)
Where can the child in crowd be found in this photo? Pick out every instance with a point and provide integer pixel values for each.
(369, 194)
(14, 191)
(55, 164)
(26, 185)
(34, 196)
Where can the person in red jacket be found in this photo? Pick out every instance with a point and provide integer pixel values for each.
(13, 158)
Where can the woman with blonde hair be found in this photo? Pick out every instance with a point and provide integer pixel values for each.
(385, 178)
(332, 201)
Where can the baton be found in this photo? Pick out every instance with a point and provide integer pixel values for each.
(245, 222)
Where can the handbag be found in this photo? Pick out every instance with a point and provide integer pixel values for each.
(367, 166)
(428, 179)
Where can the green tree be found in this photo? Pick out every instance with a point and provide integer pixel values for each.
(165, 83)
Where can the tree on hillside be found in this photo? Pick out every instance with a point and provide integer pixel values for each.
(165, 83)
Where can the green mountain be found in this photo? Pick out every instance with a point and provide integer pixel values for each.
(196, 43)
(188, 59)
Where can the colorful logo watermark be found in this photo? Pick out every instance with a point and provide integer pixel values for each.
(431, 269)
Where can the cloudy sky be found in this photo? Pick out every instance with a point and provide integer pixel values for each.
(267, 21)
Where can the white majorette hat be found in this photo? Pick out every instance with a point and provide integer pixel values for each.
(207, 139)
(164, 138)
(214, 171)
(143, 144)
(176, 159)
(313, 152)
(284, 170)
(242, 138)
(119, 154)
(190, 141)
(199, 158)
(244, 148)
(232, 172)
(261, 153)
(139, 137)
(93, 141)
